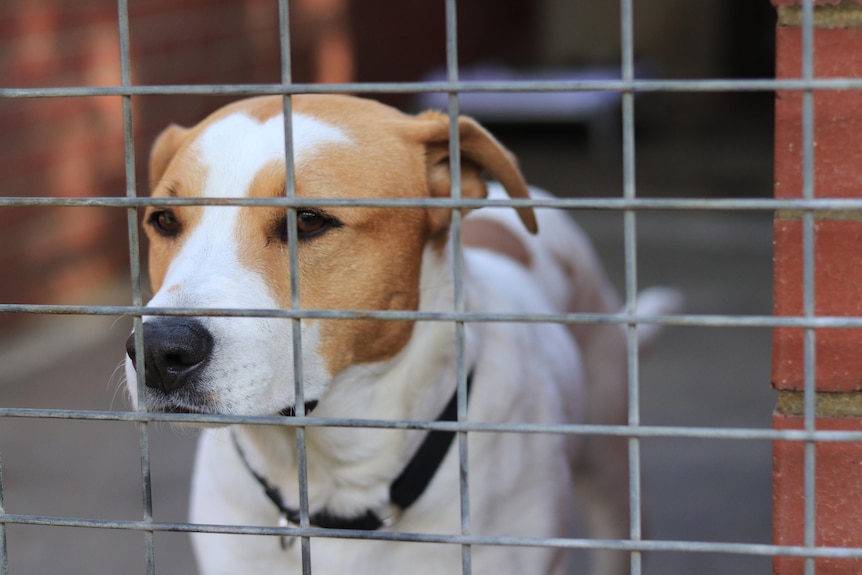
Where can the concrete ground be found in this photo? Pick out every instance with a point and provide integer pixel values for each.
(695, 490)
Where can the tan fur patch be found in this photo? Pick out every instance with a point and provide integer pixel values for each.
(369, 262)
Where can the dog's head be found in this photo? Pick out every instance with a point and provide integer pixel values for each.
(349, 258)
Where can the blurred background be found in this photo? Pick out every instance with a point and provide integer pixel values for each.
(73, 146)
(687, 145)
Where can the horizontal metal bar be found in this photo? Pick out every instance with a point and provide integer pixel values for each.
(508, 541)
(664, 85)
(640, 431)
(669, 204)
(691, 320)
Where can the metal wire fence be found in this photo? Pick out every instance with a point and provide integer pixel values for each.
(630, 205)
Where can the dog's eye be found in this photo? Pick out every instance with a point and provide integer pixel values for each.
(309, 223)
(164, 222)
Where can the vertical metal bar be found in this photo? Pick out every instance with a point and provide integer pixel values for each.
(4, 562)
(458, 278)
(293, 256)
(808, 289)
(630, 252)
(135, 264)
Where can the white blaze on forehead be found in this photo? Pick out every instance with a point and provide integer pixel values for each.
(235, 148)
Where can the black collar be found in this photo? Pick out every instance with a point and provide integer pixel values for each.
(403, 491)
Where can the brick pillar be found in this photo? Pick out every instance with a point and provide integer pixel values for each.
(838, 285)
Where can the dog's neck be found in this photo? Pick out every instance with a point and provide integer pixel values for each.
(350, 469)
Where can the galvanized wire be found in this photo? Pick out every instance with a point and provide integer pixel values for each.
(693, 320)
(4, 561)
(840, 208)
(655, 432)
(293, 265)
(458, 280)
(809, 208)
(630, 259)
(636, 85)
(808, 287)
(554, 543)
(137, 298)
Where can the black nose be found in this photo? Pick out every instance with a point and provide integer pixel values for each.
(175, 351)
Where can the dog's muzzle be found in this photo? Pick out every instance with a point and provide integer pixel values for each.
(176, 350)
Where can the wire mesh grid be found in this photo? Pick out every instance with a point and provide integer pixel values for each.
(630, 205)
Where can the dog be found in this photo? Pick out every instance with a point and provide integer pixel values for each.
(380, 258)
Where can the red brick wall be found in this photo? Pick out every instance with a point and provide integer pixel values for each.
(57, 147)
(838, 285)
(74, 146)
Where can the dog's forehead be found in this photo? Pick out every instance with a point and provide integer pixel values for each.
(235, 147)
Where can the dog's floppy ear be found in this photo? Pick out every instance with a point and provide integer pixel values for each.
(164, 148)
(480, 153)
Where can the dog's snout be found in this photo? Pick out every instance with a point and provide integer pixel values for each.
(175, 349)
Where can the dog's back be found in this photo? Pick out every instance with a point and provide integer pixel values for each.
(564, 263)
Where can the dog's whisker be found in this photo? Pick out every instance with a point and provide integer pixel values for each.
(117, 381)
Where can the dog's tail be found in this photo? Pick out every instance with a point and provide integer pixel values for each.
(653, 302)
